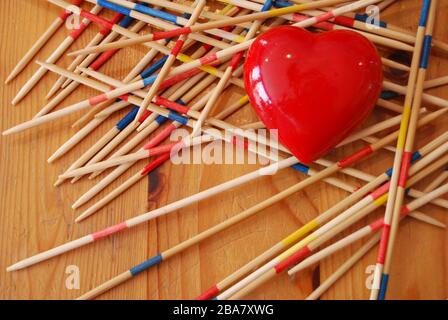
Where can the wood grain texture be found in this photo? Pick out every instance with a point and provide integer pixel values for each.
(35, 216)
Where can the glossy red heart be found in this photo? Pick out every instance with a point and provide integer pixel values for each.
(314, 88)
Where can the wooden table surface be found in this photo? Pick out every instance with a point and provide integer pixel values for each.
(35, 216)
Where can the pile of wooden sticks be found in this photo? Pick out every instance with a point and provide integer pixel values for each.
(193, 55)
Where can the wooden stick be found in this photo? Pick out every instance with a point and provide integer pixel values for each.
(392, 217)
(227, 74)
(383, 125)
(86, 156)
(95, 40)
(178, 204)
(199, 6)
(437, 181)
(442, 81)
(108, 95)
(428, 150)
(160, 19)
(236, 20)
(347, 265)
(344, 163)
(162, 257)
(93, 61)
(400, 144)
(53, 57)
(76, 138)
(302, 249)
(40, 43)
(425, 97)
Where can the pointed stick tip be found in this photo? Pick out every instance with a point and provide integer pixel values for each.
(73, 53)
(54, 156)
(58, 182)
(51, 159)
(77, 204)
(50, 94)
(7, 132)
(9, 79)
(74, 180)
(80, 218)
(13, 267)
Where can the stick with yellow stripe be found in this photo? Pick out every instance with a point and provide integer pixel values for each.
(325, 217)
(215, 25)
(212, 231)
(305, 247)
(388, 244)
(363, 232)
(400, 149)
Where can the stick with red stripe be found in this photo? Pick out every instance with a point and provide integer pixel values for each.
(54, 57)
(174, 251)
(387, 37)
(388, 239)
(139, 16)
(227, 74)
(95, 61)
(400, 156)
(199, 6)
(344, 163)
(39, 44)
(222, 54)
(311, 243)
(373, 183)
(236, 20)
(373, 227)
(95, 40)
(108, 94)
(145, 133)
(131, 128)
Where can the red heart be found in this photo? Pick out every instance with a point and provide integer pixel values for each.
(314, 88)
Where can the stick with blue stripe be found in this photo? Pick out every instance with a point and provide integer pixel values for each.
(142, 218)
(178, 20)
(93, 61)
(197, 28)
(228, 73)
(159, 258)
(155, 19)
(199, 6)
(400, 157)
(409, 145)
(125, 130)
(120, 127)
(86, 156)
